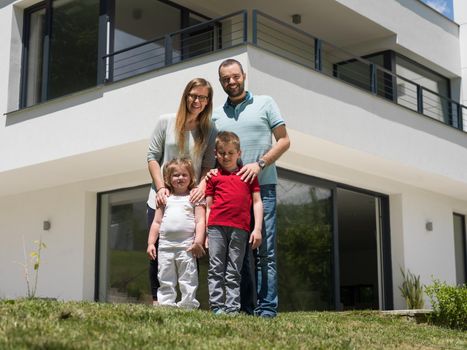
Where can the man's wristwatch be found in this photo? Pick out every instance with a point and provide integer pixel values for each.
(261, 163)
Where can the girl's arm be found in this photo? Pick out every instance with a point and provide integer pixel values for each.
(255, 237)
(154, 233)
(200, 225)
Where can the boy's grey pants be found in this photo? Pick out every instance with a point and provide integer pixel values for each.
(227, 247)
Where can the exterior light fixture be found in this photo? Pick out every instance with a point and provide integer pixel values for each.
(429, 226)
(296, 19)
(46, 225)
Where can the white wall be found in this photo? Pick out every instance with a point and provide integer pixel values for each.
(106, 126)
(68, 263)
(61, 269)
(336, 123)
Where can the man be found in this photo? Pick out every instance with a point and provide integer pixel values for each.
(255, 119)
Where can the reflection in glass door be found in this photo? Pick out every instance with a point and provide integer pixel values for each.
(333, 246)
(304, 245)
(123, 264)
(359, 260)
(460, 248)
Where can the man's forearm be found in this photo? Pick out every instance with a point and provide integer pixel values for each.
(278, 149)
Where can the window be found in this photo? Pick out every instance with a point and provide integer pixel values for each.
(60, 44)
(358, 73)
(434, 106)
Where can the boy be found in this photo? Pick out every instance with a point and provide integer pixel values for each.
(228, 204)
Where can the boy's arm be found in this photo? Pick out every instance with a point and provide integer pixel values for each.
(200, 225)
(255, 237)
(154, 233)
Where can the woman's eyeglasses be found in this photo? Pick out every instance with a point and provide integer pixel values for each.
(201, 98)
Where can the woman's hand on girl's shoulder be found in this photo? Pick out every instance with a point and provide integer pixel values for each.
(161, 196)
(197, 194)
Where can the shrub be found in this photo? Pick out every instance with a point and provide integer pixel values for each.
(449, 304)
(412, 290)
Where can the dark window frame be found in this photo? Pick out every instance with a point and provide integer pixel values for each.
(25, 52)
(390, 59)
(47, 5)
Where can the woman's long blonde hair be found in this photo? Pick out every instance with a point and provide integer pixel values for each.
(204, 118)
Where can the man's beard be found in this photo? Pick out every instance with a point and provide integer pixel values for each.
(241, 89)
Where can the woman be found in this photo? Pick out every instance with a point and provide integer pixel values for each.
(187, 134)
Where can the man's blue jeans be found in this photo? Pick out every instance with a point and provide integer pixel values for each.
(265, 258)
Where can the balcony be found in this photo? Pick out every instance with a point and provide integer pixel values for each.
(282, 39)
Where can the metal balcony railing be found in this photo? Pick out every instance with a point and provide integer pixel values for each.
(296, 45)
(280, 38)
(204, 38)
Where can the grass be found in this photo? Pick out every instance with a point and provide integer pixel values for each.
(42, 324)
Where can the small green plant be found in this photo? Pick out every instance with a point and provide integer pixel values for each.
(449, 304)
(412, 290)
(34, 261)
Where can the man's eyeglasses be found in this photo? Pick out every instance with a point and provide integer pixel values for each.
(201, 98)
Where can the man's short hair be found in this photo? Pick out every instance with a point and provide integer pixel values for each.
(229, 62)
(228, 137)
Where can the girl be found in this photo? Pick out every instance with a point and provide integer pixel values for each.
(179, 226)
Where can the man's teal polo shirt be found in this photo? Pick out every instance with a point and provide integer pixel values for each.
(253, 120)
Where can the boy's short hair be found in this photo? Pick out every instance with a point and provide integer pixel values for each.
(169, 169)
(228, 137)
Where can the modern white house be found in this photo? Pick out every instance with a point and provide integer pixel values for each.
(374, 94)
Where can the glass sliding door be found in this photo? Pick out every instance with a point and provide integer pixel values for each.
(136, 22)
(144, 24)
(123, 263)
(359, 242)
(460, 248)
(433, 105)
(333, 247)
(304, 244)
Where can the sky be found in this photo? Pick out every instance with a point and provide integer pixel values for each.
(442, 6)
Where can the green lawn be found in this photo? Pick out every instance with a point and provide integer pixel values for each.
(39, 324)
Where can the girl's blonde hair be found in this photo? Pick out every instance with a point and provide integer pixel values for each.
(204, 117)
(169, 169)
